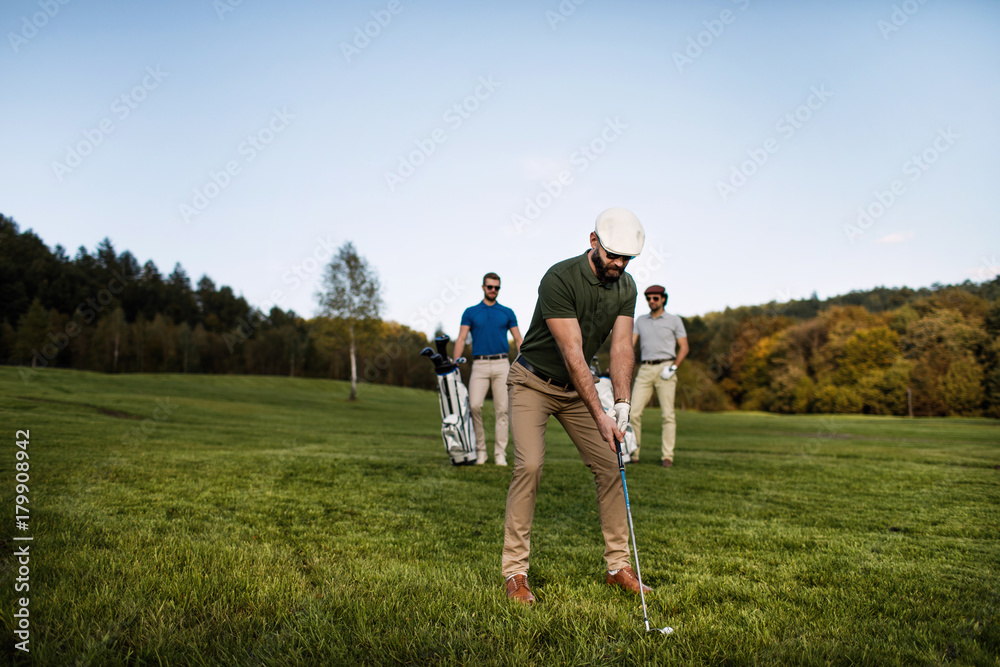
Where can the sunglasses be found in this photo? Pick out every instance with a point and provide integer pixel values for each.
(612, 256)
(654, 297)
(496, 287)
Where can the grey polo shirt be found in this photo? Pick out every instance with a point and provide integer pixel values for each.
(570, 289)
(658, 336)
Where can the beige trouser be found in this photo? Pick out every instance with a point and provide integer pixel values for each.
(486, 374)
(642, 391)
(532, 400)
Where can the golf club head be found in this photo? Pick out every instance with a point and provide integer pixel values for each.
(442, 364)
(666, 631)
(442, 345)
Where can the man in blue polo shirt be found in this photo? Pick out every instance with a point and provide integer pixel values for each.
(489, 322)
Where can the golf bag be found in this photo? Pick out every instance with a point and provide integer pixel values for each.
(606, 392)
(456, 416)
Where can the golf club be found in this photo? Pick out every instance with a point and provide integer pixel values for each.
(635, 549)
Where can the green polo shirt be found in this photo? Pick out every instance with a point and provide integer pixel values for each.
(570, 289)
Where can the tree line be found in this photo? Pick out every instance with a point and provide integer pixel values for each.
(888, 351)
(103, 311)
(891, 351)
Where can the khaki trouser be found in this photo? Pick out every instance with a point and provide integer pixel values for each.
(486, 374)
(532, 400)
(647, 379)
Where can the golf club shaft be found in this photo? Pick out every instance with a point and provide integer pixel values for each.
(631, 530)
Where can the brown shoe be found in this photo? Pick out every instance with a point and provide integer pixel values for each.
(517, 589)
(627, 579)
(667, 463)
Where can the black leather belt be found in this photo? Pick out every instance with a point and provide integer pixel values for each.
(542, 376)
(655, 361)
(488, 357)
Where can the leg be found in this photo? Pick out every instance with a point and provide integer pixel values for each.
(479, 383)
(500, 400)
(642, 391)
(603, 463)
(529, 413)
(665, 391)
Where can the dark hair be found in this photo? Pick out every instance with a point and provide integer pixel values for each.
(491, 275)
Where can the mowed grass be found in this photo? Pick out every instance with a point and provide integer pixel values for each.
(269, 521)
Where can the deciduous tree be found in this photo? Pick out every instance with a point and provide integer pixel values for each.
(351, 291)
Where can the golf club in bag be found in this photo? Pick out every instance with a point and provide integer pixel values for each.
(456, 416)
(635, 549)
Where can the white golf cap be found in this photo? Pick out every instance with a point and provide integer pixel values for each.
(620, 232)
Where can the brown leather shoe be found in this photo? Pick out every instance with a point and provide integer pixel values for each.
(517, 589)
(627, 579)
(667, 463)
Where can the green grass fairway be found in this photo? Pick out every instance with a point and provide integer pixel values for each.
(268, 521)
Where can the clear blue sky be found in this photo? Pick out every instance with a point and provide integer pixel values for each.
(668, 99)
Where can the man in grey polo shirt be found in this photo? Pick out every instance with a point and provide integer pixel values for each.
(663, 345)
(581, 301)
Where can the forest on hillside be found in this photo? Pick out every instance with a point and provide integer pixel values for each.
(103, 311)
(890, 351)
(931, 351)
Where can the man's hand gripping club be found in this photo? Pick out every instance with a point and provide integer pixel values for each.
(568, 336)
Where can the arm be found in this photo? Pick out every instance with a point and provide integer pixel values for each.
(568, 336)
(622, 357)
(682, 351)
(460, 341)
(517, 338)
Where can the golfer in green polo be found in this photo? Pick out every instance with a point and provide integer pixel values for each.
(581, 301)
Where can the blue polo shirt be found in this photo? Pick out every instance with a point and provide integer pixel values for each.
(488, 326)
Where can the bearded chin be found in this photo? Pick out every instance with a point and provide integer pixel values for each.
(601, 269)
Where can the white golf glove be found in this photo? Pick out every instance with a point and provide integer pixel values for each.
(621, 411)
(668, 372)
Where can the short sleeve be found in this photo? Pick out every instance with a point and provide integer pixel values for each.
(628, 303)
(681, 331)
(555, 298)
(466, 318)
(512, 319)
